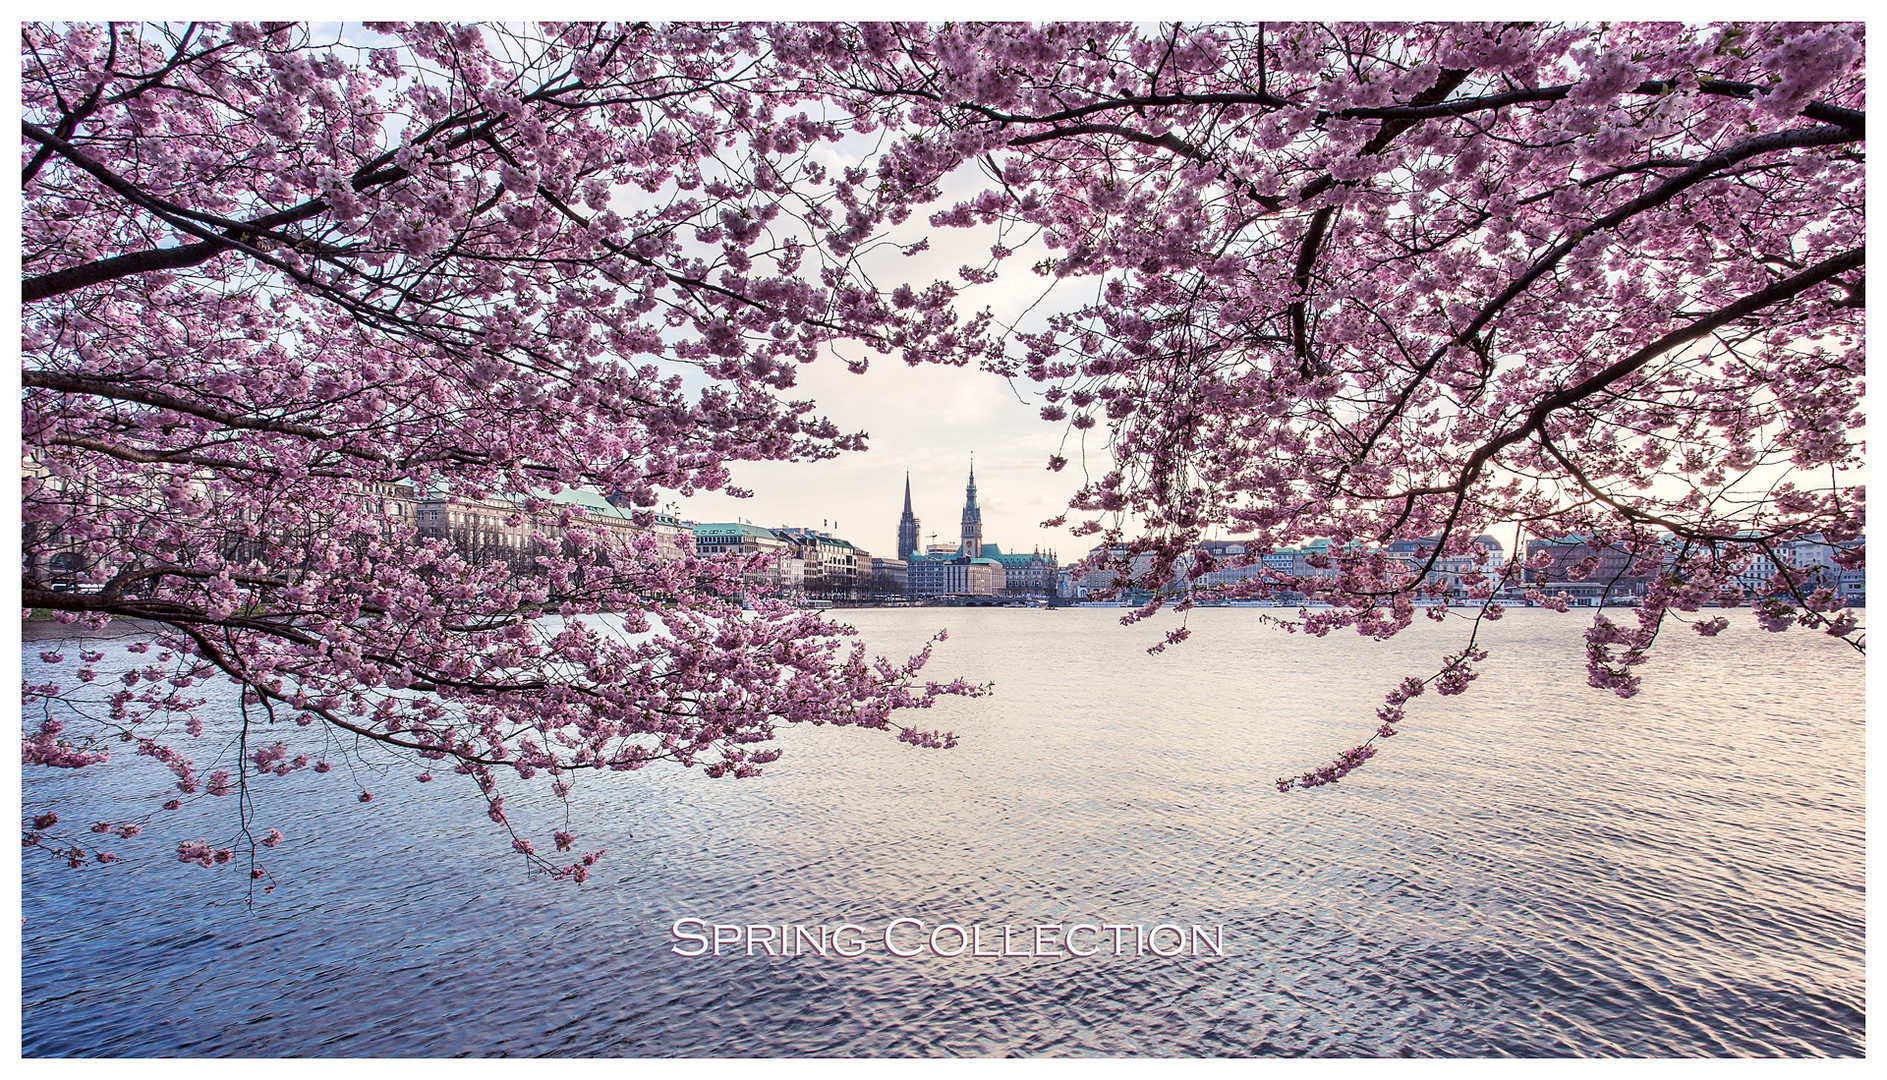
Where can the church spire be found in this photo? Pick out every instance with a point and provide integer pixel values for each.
(907, 525)
(972, 543)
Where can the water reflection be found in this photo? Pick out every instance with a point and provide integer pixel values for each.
(1533, 868)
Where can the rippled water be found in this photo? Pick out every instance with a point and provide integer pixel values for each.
(1532, 868)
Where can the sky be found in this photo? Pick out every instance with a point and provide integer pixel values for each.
(927, 420)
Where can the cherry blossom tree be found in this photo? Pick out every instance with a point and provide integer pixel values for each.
(1360, 283)
(273, 273)
(1412, 283)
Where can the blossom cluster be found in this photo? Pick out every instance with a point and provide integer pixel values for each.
(1363, 283)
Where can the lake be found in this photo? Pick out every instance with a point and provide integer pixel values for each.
(1533, 868)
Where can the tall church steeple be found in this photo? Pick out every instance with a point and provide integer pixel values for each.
(907, 525)
(972, 544)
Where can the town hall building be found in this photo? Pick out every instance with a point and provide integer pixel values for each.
(973, 569)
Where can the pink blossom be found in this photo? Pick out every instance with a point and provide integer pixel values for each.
(1430, 280)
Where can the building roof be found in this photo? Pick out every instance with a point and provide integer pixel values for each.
(1569, 538)
(582, 498)
(939, 560)
(589, 500)
(1012, 560)
(824, 539)
(733, 528)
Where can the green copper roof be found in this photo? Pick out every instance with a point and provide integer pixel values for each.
(1010, 560)
(588, 500)
(733, 528)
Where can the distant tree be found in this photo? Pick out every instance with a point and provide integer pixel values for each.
(1360, 283)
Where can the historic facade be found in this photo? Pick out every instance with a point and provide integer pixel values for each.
(834, 569)
(785, 573)
(501, 528)
(1245, 572)
(890, 578)
(809, 564)
(1588, 574)
(1815, 557)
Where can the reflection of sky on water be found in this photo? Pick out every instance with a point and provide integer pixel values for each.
(1535, 867)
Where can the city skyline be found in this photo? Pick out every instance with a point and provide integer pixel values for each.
(943, 528)
(910, 413)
